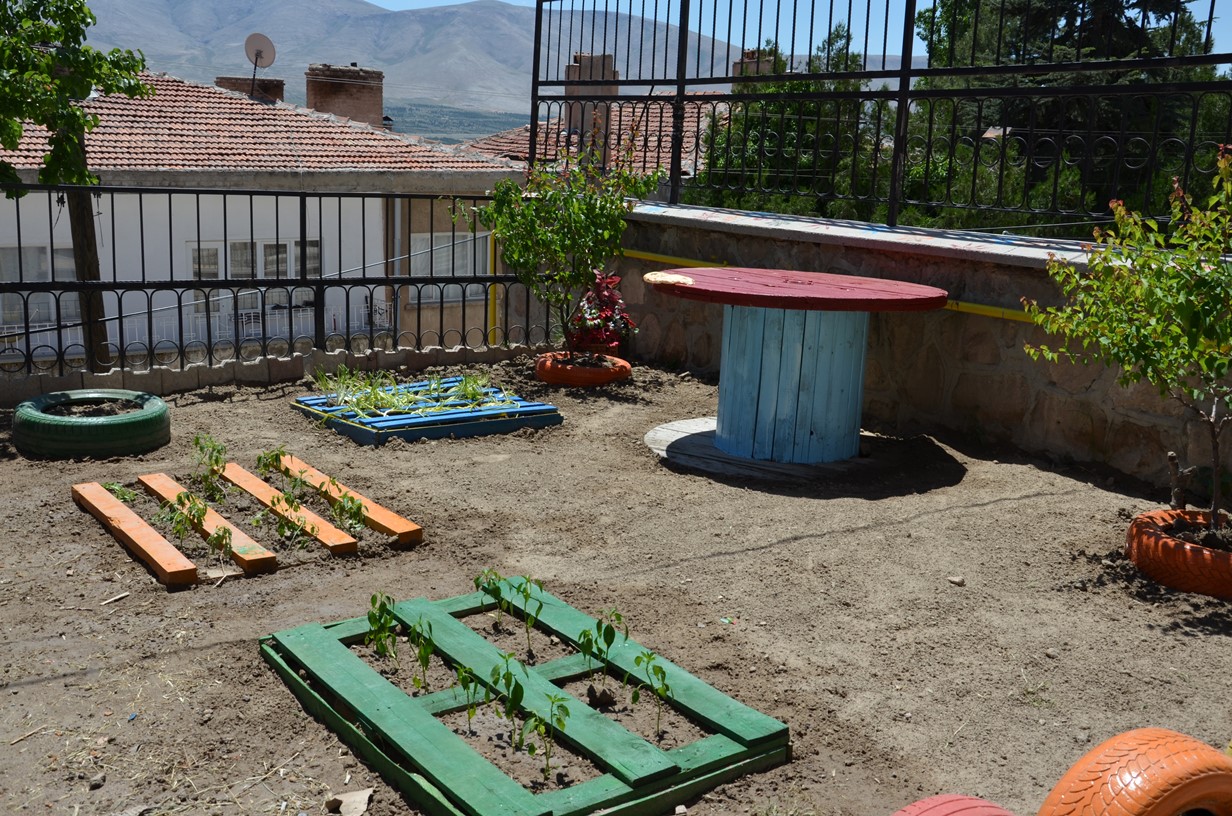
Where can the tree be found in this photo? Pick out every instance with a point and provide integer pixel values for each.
(46, 73)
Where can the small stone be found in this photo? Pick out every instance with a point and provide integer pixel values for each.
(97, 782)
(1051, 654)
(681, 809)
(1082, 736)
(957, 580)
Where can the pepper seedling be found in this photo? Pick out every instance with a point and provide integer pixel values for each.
(382, 633)
(546, 728)
(656, 679)
(421, 635)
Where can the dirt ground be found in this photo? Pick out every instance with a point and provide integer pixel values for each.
(965, 623)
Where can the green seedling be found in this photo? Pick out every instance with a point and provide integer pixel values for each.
(532, 607)
(382, 633)
(507, 697)
(546, 728)
(124, 494)
(211, 462)
(289, 523)
(656, 679)
(378, 393)
(348, 511)
(220, 542)
(596, 644)
(469, 684)
(183, 516)
(270, 462)
(490, 582)
(421, 636)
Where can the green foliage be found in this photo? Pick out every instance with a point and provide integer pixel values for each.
(425, 646)
(1156, 302)
(531, 607)
(656, 681)
(289, 522)
(382, 633)
(124, 494)
(470, 686)
(211, 459)
(597, 644)
(377, 393)
(506, 693)
(490, 582)
(348, 512)
(45, 70)
(270, 462)
(185, 514)
(546, 728)
(566, 224)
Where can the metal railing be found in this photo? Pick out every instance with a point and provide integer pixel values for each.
(992, 114)
(208, 276)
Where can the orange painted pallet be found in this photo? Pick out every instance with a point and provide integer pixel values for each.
(375, 516)
(335, 540)
(251, 557)
(142, 540)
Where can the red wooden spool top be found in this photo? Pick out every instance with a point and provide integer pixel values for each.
(784, 289)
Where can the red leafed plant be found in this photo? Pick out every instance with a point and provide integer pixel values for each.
(601, 318)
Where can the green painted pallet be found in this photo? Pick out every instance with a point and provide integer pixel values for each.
(401, 737)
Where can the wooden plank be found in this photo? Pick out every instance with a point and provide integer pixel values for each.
(699, 700)
(788, 404)
(809, 378)
(424, 741)
(768, 389)
(142, 540)
(789, 289)
(375, 516)
(335, 540)
(629, 757)
(250, 556)
(740, 369)
(836, 413)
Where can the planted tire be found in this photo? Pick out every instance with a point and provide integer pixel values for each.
(554, 368)
(1145, 772)
(37, 433)
(1175, 563)
(950, 804)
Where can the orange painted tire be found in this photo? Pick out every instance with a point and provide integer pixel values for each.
(1145, 772)
(553, 369)
(1175, 563)
(949, 804)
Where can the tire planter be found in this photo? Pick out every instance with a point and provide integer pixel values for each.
(553, 369)
(949, 804)
(37, 433)
(1176, 563)
(1145, 772)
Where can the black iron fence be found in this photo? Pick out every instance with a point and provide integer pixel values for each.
(180, 277)
(978, 114)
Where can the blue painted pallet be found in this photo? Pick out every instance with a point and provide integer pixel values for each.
(458, 422)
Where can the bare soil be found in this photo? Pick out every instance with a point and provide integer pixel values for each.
(963, 623)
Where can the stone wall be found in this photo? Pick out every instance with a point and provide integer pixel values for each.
(948, 369)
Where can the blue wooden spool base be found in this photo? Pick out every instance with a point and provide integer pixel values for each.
(791, 384)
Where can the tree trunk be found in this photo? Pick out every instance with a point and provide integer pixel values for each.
(85, 258)
(1216, 470)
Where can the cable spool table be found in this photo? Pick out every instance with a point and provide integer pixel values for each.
(791, 371)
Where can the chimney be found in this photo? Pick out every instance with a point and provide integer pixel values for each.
(586, 122)
(751, 63)
(265, 89)
(347, 90)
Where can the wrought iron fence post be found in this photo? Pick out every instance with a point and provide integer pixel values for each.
(318, 288)
(898, 163)
(682, 65)
(532, 152)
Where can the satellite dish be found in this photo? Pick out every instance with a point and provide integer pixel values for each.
(260, 50)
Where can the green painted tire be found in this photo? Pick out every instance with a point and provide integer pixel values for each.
(37, 433)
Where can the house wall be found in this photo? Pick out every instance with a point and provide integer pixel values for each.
(942, 370)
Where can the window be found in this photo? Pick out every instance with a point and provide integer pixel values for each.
(444, 255)
(38, 264)
(270, 261)
(205, 267)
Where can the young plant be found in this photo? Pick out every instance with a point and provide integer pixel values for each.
(348, 512)
(421, 636)
(507, 698)
(124, 494)
(532, 607)
(270, 462)
(469, 684)
(183, 516)
(596, 644)
(656, 681)
(1155, 304)
(220, 542)
(382, 633)
(211, 462)
(491, 583)
(290, 523)
(546, 728)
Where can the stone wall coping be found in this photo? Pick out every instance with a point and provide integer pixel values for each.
(1008, 250)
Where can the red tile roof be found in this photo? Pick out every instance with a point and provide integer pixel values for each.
(648, 122)
(185, 126)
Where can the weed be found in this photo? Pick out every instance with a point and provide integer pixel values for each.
(546, 728)
(656, 679)
(211, 462)
(421, 635)
(596, 644)
(124, 494)
(382, 633)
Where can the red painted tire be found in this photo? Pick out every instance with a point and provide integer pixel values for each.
(553, 369)
(949, 804)
(1145, 772)
(1175, 563)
